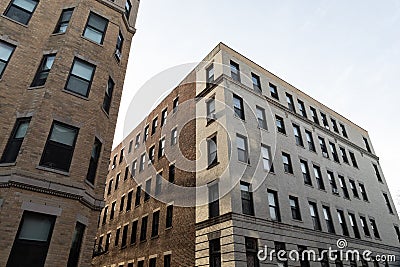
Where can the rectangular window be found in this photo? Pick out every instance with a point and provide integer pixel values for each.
(310, 141)
(167, 260)
(124, 236)
(128, 7)
(238, 107)
(287, 163)
(364, 226)
(314, 115)
(80, 77)
(378, 174)
(121, 155)
(94, 160)
(274, 211)
(130, 146)
(159, 179)
(210, 106)
(33, 236)
(164, 115)
(134, 232)
(138, 194)
(318, 177)
(374, 228)
(343, 185)
(133, 169)
(314, 215)
(247, 199)
(43, 71)
(21, 10)
(242, 149)
(112, 210)
(295, 208)
(171, 173)
(161, 147)
(304, 260)
(328, 219)
(306, 172)
(168, 217)
(108, 95)
(126, 173)
(147, 190)
(155, 223)
(105, 213)
(175, 105)
(153, 262)
(256, 83)
(387, 201)
(302, 108)
(117, 179)
(344, 133)
(59, 148)
(212, 153)
(353, 224)
(6, 50)
(289, 100)
(325, 121)
(251, 252)
(280, 124)
(332, 181)
(210, 75)
(137, 141)
(14, 143)
(118, 46)
(129, 200)
(367, 145)
(363, 192)
(324, 257)
(344, 155)
(117, 233)
(108, 242)
(274, 91)
(174, 136)
(215, 252)
(122, 204)
(110, 184)
(297, 135)
(143, 229)
(142, 162)
(151, 154)
(63, 21)
(140, 263)
(353, 188)
(397, 230)
(96, 27)
(154, 125)
(262, 121)
(334, 125)
(280, 247)
(342, 222)
(323, 147)
(213, 201)
(267, 158)
(146, 133)
(235, 72)
(334, 152)
(114, 161)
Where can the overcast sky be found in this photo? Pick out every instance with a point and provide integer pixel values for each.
(345, 54)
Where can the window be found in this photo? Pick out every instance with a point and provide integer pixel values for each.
(280, 125)
(105, 215)
(171, 173)
(152, 262)
(343, 130)
(110, 184)
(134, 232)
(146, 133)
(266, 158)
(114, 161)
(117, 233)
(94, 160)
(124, 235)
(63, 22)
(247, 199)
(342, 222)
(344, 155)
(235, 72)
(297, 135)
(315, 216)
(262, 122)
(155, 223)
(210, 106)
(95, 28)
(122, 204)
(295, 208)
(310, 141)
(118, 46)
(280, 246)
(43, 70)
(140, 263)
(128, 7)
(167, 260)
(212, 151)
(374, 228)
(251, 252)
(130, 146)
(215, 252)
(274, 91)
(343, 185)
(364, 226)
(353, 224)
(126, 173)
(242, 149)
(318, 177)
(367, 145)
(108, 242)
(175, 105)
(59, 147)
(142, 162)
(168, 219)
(328, 219)
(256, 83)
(121, 155)
(14, 143)
(323, 147)
(164, 115)
(397, 230)
(117, 181)
(353, 188)
(80, 77)
(108, 95)
(289, 100)
(378, 174)
(389, 206)
(33, 236)
(238, 107)
(334, 124)
(6, 50)
(334, 152)
(325, 121)
(137, 141)
(363, 192)
(314, 115)
(159, 179)
(213, 200)
(129, 201)
(302, 108)
(147, 190)
(287, 163)
(306, 172)
(143, 229)
(332, 181)
(138, 193)
(21, 10)
(161, 147)
(324, 257)
(112, 210)
(274, 211)
(210, 75)
(174, 136)
(154, 125)
(133, 169)
(304, 261)
(353, 159)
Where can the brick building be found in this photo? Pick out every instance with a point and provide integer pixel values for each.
(62, 69)
(261, 164)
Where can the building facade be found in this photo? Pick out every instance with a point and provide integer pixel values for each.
(268, 166)
(62, 69)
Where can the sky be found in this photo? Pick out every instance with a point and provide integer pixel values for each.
(345, 54)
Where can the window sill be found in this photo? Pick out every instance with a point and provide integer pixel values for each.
(322, 190)
(282, 133)
(75, 94)
(35, 87)
(297, 220)
(243, 120)
(154, 237)
(89, 183)
(124, 247)
(263, 129)
(210, 121)
(58, 33)
(142, 241)
(93, 42)
(107, 114)
(309, 185)
(212, 165)
(52, 170)
(244, 163)
(17, 22)
(8, 164)
(168, 228)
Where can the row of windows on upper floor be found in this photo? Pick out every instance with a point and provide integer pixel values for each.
(235, 74)
(152, 262)
(58, 151)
